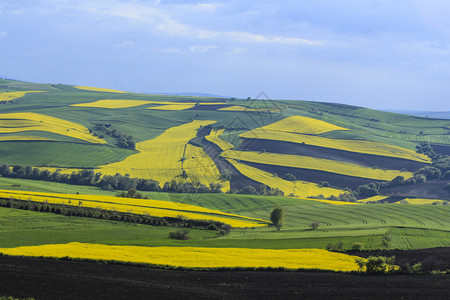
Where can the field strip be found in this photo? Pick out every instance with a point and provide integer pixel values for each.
(214, 137)
(422, 201)
(27, 121)
(23, 138)
(193, 257)
(172, 107)
(124, 103)
(373, 199)
(364, 147)
(96, 89)
(301, 189)
(332, 202)
(313, 163)
(248, 109)
(155, 208)
(9, 96)
(303, 125)
(164, 159)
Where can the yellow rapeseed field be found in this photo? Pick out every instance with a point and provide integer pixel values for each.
(23, 138)
(95, 89)
(20, 122)
(422, 201)
(248, 109)
(304, 125)
(193, 257)
(374, 198)
(8, 96)
(172, 107)
(365, 147)
(165, 157)
(112, 103)
(313, 163)
(213, 137)
(296, 188)
(156, 208)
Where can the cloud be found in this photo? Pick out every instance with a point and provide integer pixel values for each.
(3, 34)
(201, 48)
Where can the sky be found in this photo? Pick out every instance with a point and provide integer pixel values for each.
(381, 54)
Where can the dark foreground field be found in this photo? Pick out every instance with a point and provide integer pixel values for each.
(53, 279)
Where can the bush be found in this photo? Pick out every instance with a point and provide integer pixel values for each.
(277, 217)
(357, 246)
(290, 177)
(314, 225)
(376, 264)
(179, 235)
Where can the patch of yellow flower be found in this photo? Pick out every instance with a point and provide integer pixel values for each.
(112, 103)
(165, 157)
(27, 121)
(304, 125)
(373, 199)
(313, 163)
(248, 109)
(156, 208)
(296, 188)
(214, 137)
(172, 107)
(421, 201)
(96, 89)
(8, 96)
(365, 147)
(124, 103)
(193, 257)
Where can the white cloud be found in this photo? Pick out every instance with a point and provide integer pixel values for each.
(201, 48)
(3, 34)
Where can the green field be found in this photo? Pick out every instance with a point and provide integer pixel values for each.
(407, 226)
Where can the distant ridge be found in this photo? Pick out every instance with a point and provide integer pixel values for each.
(426, 114)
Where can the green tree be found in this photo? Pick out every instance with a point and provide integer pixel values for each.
(277, 216)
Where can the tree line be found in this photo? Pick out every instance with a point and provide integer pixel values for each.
(124, 182)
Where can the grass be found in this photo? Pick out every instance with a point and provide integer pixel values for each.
(60, 154)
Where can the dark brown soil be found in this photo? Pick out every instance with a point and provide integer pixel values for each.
(434, 189)
(53, 279)
(328, 153)
(431, 259)
(441, 149)
(336, 180)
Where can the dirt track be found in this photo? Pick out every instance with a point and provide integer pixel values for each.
(53, 279)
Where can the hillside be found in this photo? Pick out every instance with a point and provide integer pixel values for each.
(298, 148)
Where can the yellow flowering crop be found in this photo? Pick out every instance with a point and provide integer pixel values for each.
(374, 198)
(297, 188)
(156, 208)
(299, 124)
(422, 201)
(193, 257)
(358, 146)
(247, 109)
(213, 137)
(172, 107)
(95, 89)
(112, 103)
(20, 122)
(313, 163)
(8, 96)
(165, 157)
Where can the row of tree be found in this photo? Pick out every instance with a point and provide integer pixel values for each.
(122, 140)
(124, 182)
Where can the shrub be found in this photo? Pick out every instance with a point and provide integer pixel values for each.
(290, 177)
(179, 235)
(376, 264)
(314, 225)
(357, 246)
(277, 217)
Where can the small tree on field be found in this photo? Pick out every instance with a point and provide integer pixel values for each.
(277, 216)
(314, 225)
